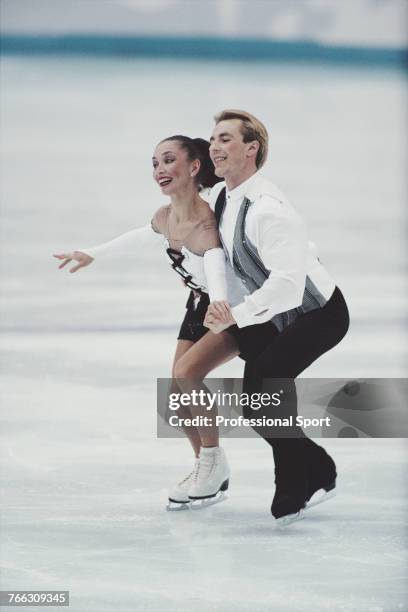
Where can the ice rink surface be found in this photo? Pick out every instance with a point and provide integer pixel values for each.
(84, 477)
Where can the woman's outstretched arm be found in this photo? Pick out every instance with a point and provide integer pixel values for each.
(121, 245)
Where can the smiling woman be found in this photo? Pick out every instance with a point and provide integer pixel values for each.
(188, 230)
(170, 159)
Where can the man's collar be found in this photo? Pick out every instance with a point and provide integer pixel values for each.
(242, 190)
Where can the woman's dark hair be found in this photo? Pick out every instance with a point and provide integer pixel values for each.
(198, 148)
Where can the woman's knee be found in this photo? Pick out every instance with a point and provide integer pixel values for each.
(187, 369)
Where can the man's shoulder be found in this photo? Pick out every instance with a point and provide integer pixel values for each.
(263, 188)
(214, 193)
(270, 202)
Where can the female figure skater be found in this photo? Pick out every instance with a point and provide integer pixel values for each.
(188, 230)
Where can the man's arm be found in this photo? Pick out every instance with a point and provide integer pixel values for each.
(211, 198)
(280, 238)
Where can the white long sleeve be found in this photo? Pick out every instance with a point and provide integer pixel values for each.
(214, 268)
(280, 237)
(123, 244)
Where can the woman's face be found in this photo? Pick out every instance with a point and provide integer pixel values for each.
(172, 170)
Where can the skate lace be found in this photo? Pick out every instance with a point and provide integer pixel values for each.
(206, 467)
(192, 475)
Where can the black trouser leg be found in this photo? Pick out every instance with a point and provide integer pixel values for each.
(274, 355)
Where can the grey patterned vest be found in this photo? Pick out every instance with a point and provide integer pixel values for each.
(249, 268)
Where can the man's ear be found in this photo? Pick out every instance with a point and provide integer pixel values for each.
(252, 148)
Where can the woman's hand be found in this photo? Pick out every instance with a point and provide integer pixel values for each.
(82, 259)
(220, 310)
(218, 316)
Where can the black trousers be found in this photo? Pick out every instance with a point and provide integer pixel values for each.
(270, 354)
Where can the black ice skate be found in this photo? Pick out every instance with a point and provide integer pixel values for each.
(288, 506)
(291, 482)
(321, 479)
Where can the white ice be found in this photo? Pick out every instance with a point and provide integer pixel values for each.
(84, 477)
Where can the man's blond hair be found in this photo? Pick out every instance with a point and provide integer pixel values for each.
(251, 129)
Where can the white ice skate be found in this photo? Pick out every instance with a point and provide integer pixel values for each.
(212, 479)
(178, 494)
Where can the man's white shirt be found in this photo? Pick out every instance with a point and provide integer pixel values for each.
(279, 235)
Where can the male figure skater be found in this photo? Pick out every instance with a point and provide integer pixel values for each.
(286, 310)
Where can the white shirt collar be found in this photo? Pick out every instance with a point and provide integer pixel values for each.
(241, 190)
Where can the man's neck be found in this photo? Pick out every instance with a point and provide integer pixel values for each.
(236, 181)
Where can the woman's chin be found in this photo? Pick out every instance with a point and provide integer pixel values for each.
(166, 190)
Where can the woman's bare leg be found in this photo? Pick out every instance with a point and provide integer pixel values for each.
(195, 363)
(183, 346)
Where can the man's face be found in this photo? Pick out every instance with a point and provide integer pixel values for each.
(228, 151)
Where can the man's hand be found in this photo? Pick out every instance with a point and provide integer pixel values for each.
(82, 259)
(218, 317)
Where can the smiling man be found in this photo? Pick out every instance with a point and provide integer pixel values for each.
(285, 311)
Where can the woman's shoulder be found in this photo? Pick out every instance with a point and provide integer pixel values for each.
(205, 233)
(159, 219)
(208, 215)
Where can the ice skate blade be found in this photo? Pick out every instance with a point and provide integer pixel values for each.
(284, 521)
(174, 506)
(319, 497)
(199, 504)
(223, 487)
